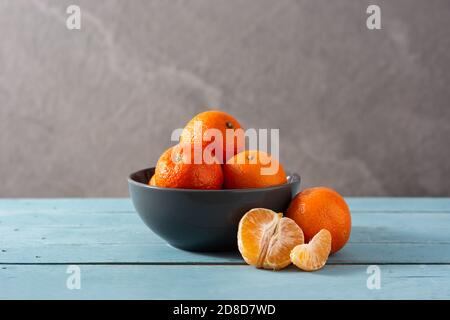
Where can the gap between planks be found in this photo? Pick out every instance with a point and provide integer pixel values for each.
(359, 211)
(208, 264)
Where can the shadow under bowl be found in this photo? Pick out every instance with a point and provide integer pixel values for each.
(203, 220)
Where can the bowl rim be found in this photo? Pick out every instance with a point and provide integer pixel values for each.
(296, 178)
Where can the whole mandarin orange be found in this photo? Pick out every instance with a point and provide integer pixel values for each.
(220, 121)
(322, 208)
(247, 170)
(176, 169)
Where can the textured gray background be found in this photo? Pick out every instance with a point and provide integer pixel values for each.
(365, 112)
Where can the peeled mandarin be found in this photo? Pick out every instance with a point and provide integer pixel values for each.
(265, 238)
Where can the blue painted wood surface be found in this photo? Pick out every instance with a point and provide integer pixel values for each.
(408, 238)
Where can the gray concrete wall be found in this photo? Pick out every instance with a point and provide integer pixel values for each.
(365, 112)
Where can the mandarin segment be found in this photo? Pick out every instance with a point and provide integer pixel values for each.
(314, 255)
(254, 229)
(265, 238)
(287, 235)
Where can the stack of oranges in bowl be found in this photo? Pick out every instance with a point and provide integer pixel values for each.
(317, 222)
(200, 162)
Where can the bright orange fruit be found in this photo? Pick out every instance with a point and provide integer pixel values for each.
(322, 208)
(265, 238)
(215, 120)
(176, 169)
(152, 181)
(246, 170)
(314, 255)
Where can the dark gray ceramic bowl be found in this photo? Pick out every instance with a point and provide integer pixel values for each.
(203, 220)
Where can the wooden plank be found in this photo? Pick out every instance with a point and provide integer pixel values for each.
(63, 205)
(353, 253)
(55, 237)
(124, 205)
(398, 204)
(52, 228)
(223, 282)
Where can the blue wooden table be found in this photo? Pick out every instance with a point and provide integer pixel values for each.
(112, 254)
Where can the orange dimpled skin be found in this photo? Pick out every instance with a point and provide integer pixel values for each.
(175, 169)
(221, 121)
(253, 169)
(322, 208)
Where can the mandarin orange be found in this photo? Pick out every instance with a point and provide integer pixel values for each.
(152, 181)
(220, 121)
(265, 238)
(253, 169)
(322, 208)
(176, 168)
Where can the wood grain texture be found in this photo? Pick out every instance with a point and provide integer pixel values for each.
(109, 205)
(223, 282)
(121, 258)
(108, 231)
